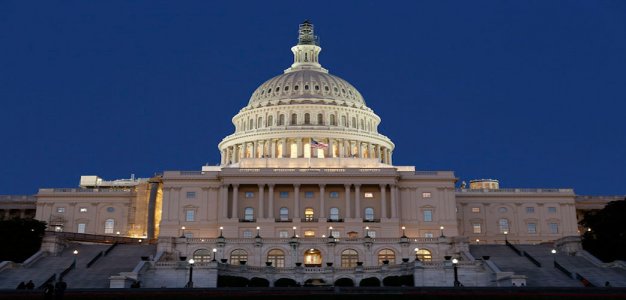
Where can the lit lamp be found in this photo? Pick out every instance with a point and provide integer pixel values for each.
(183, 230)
(75, 256)
(258, 230)
(367, 231)
(214, 254)
(441, 229)
(477, 241)
(221, 232)
(294, 232)
(416, 252)
(330, 232)
(403, 232)
(190, 282)
(506, 233)
(553, 251)
(455, 262)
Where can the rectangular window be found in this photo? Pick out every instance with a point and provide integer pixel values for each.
(190, 215)
(308, 195)
(309, 233)
(335, 233)
(60, 210)
(428, 234)
(475, 209)
(334, 195)
(372, 234)
(83, 209)
(249, 194)
(426, 195)
(283, 234)
(532, 228)
(476, 227)
(428, 215)
(530, 210)
(284, 195)
(188, 235)
(368, 195)
(191, 195)
(554, 228)
(81, 227)
(552, 210)
(247, 234)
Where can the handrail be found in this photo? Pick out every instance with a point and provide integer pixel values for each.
(532, 259)
(110, 248)
(95, 258)
(50, 279)
(513, 248)
(563, 269)
(584, 280)
(72, 236)
(67, 270)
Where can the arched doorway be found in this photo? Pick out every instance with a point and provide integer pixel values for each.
(344, 282)
(315, 282)
(313, 258)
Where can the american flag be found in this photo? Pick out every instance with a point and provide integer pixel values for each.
(318, 145)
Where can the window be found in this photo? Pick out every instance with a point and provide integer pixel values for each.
(190, 215)
(334, 195)
(309, 233)
(427, 195)
(294, 118)
(423, 255)
(372, 233)
(191, 195)
(284, 214)
(110, 209)
(386, 255)
(428, 234)
(60, 210)
(188, 235)
(369, 214)
(283, 234)
(247, 233)
(81, 227)
(83, 209)
(475, 209)
(248, 214)
(202, 256)
(502, 210)
(343, 121)
(307, 117)
(276, 257)
(335, 233)
(249, 194)
(308, 195)
(270, 121)
(353, 122)
(334, 214)
(368, 195)
(476, 227)
(109, 226)
(554, 228)
(428, 215)
(281, 120)
(309, 215)
(504, 225)
(349, 258)
(333, 121)
(552, 210)
(238, 255)
(530, 210)
(283, 195)
(532, 228)
(320, 118)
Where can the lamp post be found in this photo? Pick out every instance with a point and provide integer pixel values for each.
(403, 232)
(294, 232)
(367, 231)
(441, 229)
(456, 272)
(214, 254)
(553, 251)
(258, 232)
(477, 241)
(75, 256)
(416, 251)
(506, 233)
(221, 232)
(190, 282)
(183, 230)
(330, 232)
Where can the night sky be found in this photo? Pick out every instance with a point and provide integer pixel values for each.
(528, 92)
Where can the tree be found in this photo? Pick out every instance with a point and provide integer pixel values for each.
(605, 236)
(20, 238)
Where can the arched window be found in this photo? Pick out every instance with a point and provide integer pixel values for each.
(281, 120)
(248, 214)
(320, 119)
(386, 254)
(504, 225)
(277, 257)
(251, 122)
(309, 215)
(334, 214)
(294, 119)
(353, 122)
(307, 118)
(362, 124)
(423, 255)
(369, 214)
(259, 122)
(349, 258)
(343, 121)
(109, 226)
(270, 121)
(284, 214)
(202, 255)
(333, 121)
(237, 256)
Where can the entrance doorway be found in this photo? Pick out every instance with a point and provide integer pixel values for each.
(313, 258)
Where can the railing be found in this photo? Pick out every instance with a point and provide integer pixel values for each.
(334, 220)
(279, 220)
(106, 252)
(532, 259)
(514, 190)
(50, 279)
(81, 190)
(247, 220)
(371, 221)
(563, 269)
(95, 258)
(513, 248)
(308, 220)
(584, 281)
(72, 236)
(309, 240)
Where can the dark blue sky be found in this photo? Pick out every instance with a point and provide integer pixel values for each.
(528, 92)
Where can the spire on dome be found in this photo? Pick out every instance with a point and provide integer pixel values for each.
(306, 52)
(306, 34)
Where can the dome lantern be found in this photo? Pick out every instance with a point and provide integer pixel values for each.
(306, 52)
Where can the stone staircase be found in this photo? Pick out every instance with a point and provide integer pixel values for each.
(122, 258)
(595, 274)
(42, 269)
(509, 261)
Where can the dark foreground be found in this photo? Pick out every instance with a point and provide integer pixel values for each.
(330, 293)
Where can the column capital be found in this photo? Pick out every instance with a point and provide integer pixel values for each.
(383, 185)
(261, 186)
(270, 185)
(357, 185)
(297, 185)
(235, 185)
(347, 185)
(322, 185)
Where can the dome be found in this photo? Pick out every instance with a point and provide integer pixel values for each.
(306, 86)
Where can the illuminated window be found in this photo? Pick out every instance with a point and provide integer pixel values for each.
(372, 233)
(368, 195)
(190, 215)
(237, 256)
(475, 209)
(309, 233)
(276, 257)
(248, 214)
(249, 194)
(335, 233)
(283, 234)
(427, 195)
(109, 226)
(424, 255)
(369, 214)
(334, 214)
(81, 227)
(60, 210)
(83, 209)
(476, 227)
(284, 195)
(386, 255)
(349, 258)
(309, 215)
(554, 228)
(532, 228)
(191, 195)
(428, 215)
(202, 256)
(504, 225)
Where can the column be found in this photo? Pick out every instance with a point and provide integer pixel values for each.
(346, 149)
(253, 153)
(380, 157)
(390, 157)
(383, 201)
(284, 147)
(272, 148)
(223, 156)
(370, 150)
(357, 201)
(329, 153)
(300, 148)
(224, 204)
(235, 212)
(296, 201)
(312, 150)
(260, 214)
(270, 201)
(322, 213)
(228, 154)
(348, 208)
(342, 151)
(394, 198)
(359, 149)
